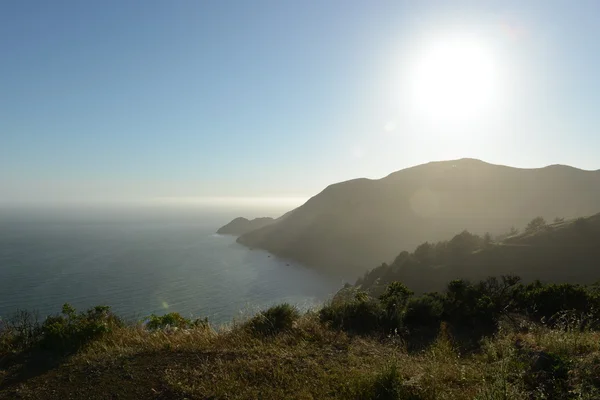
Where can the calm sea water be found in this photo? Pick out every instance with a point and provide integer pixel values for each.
(143, 263)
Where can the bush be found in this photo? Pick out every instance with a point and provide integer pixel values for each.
(544, 301)
(465, 306)
(173, 320)
(425, 311)
(279, 318)
(361, 315)
(395, 296)
(480, 306)
(393, 301)
(68, 331)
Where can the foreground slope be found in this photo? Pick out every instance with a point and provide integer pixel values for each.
(474, 341)
(352, 226)
(328, 366)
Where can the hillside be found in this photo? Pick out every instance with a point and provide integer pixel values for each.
(565, 252)
(496, 339)
(353, 226)
(240, 225)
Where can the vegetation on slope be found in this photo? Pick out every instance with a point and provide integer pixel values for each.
(562, 251)
(495, 339)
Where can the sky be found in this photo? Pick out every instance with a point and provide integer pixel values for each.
(162, 100)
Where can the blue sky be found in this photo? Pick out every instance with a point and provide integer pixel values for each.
(152, 99)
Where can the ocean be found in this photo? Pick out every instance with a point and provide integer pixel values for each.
(141, 261)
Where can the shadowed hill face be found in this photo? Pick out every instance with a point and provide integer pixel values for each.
(562, 252)
(352, 226)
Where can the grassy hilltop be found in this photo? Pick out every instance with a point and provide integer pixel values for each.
(497, 339)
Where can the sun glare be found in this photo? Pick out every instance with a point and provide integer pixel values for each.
(454, 80)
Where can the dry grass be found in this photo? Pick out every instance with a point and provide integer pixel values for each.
(309, 362)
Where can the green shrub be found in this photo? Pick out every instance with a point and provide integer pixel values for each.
(479, 306)
(465, 306)
(424, 311)
(173, 320)
(395, 296)
(361, 315)
(393, 301)
(279, 318)
(544, 301)
(70, 330)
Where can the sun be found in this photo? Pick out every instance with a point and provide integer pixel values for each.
(454, 79)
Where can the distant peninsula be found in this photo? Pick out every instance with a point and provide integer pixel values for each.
(240, 225)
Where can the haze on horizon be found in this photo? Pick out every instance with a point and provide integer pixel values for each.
(245, 102)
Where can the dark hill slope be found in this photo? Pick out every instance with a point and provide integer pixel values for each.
(351, 226)
(566, 252)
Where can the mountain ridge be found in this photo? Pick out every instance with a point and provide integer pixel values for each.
(353, 225)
